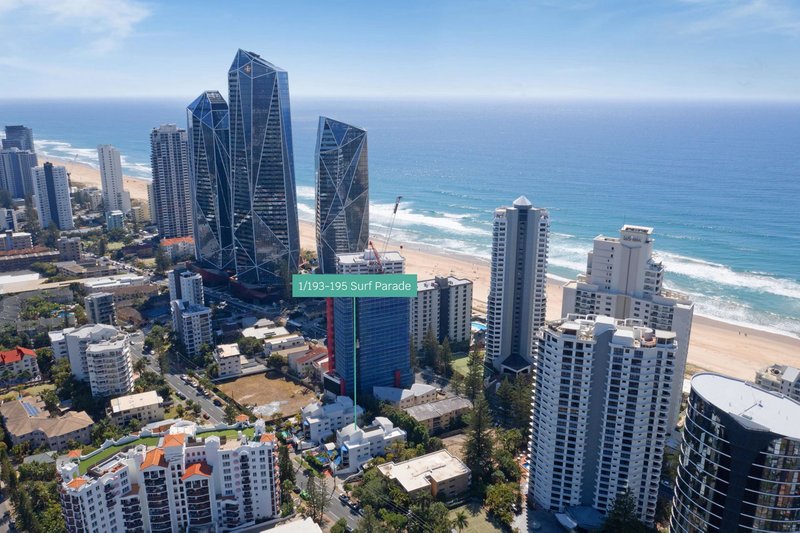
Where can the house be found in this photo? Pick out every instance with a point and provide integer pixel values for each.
(301, 362)
(26, 420)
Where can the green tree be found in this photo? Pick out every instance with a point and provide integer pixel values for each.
(473, 382)
(430, 349)
(5, 199)
(317, 499)
(460, 521)
(163, 262)
(340, 526)
(445, 358)
(140, 365)
(500, 501)
(101, 247)
(412, 355)
(478, 449)
(45, 360)
(51, 402)
(230, 414)
(369, 521)
(285, 465)
(622, 516)
(250, 346)
(31, 220)
(50, 235)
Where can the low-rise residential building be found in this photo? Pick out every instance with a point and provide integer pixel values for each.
(185, 483)
(359, 445)
(110, 283)
(11, 260)
(192, 324)
(178, 247)
(277, 339)
(301, 362)
(88, 268)
(26, 420)
(146, 407)
(444, 306)
(69, 249)
(19, 240)
(229, 360)
(321, 421)
(321, 367)
(115, 220)
(440, 415)
(100, 308)
(301, 525)
(780, 378)
(437, 473)
(18, 366)
(416, 394)
(8, 219)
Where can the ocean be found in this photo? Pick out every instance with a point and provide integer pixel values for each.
(719, 182)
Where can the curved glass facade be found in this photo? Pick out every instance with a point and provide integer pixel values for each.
(208, 129)
(342, 182)
(265, 229)
(734, 475)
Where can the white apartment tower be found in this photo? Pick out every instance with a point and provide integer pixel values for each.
(51, 196)
(115, 197)
(517, 289)
(169, 159)
(99, 354)
(192, 325)
(624, 279)
(185, 285)
(100, 308)
(368, 263)
(186, 483)
(600, 412)
(443, 305)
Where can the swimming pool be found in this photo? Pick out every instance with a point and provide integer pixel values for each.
(478, 326)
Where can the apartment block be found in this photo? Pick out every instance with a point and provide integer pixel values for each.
(444, 306)
(192, 325)
(438, 474)
(323, 420)
(146, 407)
(780, 378)
(359, 445)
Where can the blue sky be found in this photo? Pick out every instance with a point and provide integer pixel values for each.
(633, 49)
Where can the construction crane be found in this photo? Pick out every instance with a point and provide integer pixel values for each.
(391, 225)
(377, 257)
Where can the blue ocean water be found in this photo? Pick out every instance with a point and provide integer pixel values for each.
(719, 182)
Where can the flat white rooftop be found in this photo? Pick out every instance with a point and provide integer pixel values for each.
(414, 474)
(753, 407)
(135, 401)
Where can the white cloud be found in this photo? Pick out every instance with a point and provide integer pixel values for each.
(104, 22)
(743, 16)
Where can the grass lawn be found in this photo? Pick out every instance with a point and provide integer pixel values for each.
(478, 522)
(114, 246)
(460, 365)
(148, 261)
(29, 391)
(152, 441)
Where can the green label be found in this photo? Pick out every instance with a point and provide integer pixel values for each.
(354, 285)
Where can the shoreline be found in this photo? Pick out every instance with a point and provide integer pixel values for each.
(716, 345)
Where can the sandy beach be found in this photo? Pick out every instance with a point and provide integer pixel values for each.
(715, 345)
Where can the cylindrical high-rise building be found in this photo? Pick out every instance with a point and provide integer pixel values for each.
(740, 460)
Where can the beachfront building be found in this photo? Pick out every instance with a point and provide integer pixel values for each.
(624, 279)
(416, 394)
(228, 360)
(99, 354)
(780, 378)
(266, 232)
(169, 159)
(440, 474)
(27, 420)
(19, 137)
(69, 249)
(359, 445)
(441, 415)
(15, 171)
(18, 365)
(381, 340)
(151, 203)
(322, 420)
(100, 308)
(115, 197)
(517, 288)
(600, 411)
(209, 136)
(185, 285)
(739, 467)
(51, 196)
(145, 407)
(115, 220)
(342, 195)
(185, 483)
(192, 325)
(443, 305)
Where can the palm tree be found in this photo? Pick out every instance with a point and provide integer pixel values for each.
(460, 521)
(140, 365)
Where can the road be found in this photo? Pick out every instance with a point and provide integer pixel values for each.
(334, 509)
(216, 414)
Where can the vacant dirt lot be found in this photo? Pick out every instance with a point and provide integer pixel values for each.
(269, 394)
(455, 444)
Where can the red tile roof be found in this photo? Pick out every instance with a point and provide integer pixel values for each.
(77, 483)
(74, 454)
(154, 457)
(312, 355)
(15, 355)
(197, 469)
(267, 437)
(242, 418)
(176, 240)
(177, 439)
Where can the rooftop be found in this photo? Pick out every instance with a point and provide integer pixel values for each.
(436, 283)
(414, 474)
(176, 240)
(15, 355)
(396, 394)
(28, 415)
(368, 256)
(197, 469)
(135, 401)
(228, 350)
(752, 406)
(428, 411)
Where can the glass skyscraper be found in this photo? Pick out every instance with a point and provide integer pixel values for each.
(381, 341)
(265, 230)
(342, 181)
(15, 171)
(19, 137)
(209, 159)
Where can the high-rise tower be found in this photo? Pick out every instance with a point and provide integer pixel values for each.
(265, 229)
(342, 183)
(169, 156)
(115, 197)
(51, 190)
(209, 159)
(517, 289)
(19, 137)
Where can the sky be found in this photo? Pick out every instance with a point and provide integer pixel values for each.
(587, 49)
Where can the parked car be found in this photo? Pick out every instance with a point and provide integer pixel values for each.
(217, 402)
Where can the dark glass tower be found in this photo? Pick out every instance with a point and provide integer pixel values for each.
(740, 460)
(209, 159)
(15, 171)
(265, 231)
(342, 180)
(19, 137)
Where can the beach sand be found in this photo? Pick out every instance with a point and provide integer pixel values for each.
(715, 345)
